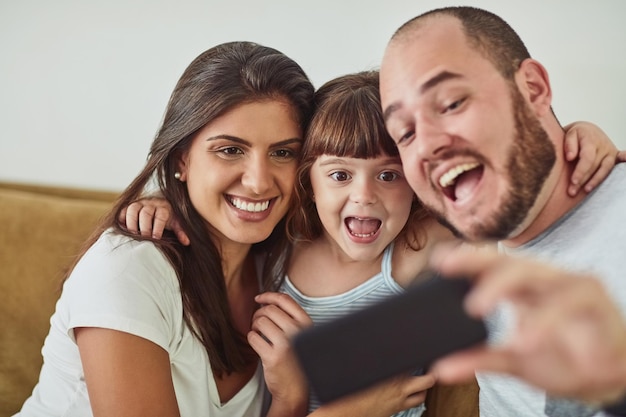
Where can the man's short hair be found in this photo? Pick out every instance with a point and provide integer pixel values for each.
(488, 33)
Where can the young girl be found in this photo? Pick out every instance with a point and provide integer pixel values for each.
(152, 327)
(359, 235)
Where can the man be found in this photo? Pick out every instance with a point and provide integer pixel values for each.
(471, 114)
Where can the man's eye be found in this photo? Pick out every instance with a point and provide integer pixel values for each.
(388, 176)
(340, 176)
(406, 136)
(454, 105)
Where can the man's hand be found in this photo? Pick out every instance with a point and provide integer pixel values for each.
(569, 339)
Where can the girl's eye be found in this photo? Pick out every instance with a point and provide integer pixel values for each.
(340, 176)
(388, 176)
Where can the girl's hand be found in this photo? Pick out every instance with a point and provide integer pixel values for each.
(273, 325)
(279, 319)
(595, 152)
(150, 217)
(384, 399)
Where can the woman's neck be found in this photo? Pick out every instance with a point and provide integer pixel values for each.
(234, 257)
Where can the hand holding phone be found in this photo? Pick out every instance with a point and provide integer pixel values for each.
(400, 334)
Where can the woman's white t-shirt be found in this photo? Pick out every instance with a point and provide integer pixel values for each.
(127, 285)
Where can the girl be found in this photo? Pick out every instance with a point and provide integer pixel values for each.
(359, 232)
(149, 327)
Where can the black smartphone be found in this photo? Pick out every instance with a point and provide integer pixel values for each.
(399, 334)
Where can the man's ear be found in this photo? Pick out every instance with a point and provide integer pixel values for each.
(534, 84)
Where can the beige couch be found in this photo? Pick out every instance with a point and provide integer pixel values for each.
(41, 230)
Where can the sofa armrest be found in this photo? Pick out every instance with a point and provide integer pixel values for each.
(42, 229)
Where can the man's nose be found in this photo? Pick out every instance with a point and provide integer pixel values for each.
(430, 139)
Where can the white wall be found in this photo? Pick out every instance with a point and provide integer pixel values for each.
(83, 84)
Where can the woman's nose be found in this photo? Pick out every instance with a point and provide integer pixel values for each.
(257, 175)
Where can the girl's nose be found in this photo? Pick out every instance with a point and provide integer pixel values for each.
(363, 192)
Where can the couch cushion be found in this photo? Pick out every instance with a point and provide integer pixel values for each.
(42, 229)
(453, 400)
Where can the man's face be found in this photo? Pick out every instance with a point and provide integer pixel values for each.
(471, 147)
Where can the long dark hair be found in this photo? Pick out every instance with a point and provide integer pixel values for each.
(348, 122)
(216, 81)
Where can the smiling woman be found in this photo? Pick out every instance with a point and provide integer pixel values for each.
(244, 164)
(147, 327)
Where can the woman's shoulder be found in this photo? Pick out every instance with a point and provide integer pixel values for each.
(113, 246)
(114, 256)
(123, 284)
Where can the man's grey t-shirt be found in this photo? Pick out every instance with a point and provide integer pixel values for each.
(591, 237)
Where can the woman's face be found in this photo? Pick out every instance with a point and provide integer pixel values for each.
(240, 170)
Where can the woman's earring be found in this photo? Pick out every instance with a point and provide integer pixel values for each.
(177, 175)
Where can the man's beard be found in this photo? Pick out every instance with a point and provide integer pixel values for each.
(531, 158)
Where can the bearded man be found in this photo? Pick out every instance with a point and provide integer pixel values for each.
(471, 114)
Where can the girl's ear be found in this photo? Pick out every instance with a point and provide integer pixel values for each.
(534, 84)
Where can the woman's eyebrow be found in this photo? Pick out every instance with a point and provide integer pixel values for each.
(242, 141)
(229, 137)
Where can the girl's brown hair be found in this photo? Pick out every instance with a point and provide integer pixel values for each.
(347, 122)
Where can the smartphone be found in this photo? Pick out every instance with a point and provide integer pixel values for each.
(399, 334)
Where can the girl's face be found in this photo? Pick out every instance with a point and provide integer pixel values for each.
(363, 204)
(240, 170)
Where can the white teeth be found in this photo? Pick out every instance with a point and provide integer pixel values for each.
(252, 207)
(363, 234)
(449, 177)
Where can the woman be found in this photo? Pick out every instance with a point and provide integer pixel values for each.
(150, 327)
